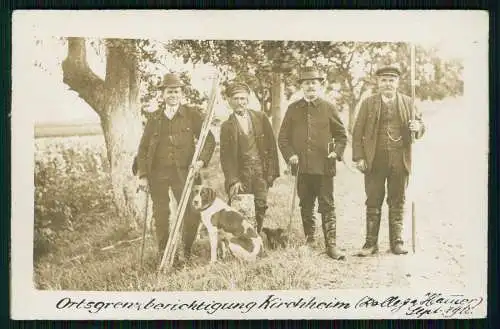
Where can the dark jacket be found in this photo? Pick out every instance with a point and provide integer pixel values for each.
(266, 144)
(307, 130)
(365, 131)
(185, 133)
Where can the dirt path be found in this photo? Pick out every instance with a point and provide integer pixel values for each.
(448, 187)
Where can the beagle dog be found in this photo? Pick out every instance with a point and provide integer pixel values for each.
(222, 221)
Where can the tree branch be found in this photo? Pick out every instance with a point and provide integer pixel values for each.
(79, 76)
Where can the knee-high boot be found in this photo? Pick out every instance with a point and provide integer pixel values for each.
(260, 215)
(396, 230)
(329, 225)
(308, 224)
(372, 230)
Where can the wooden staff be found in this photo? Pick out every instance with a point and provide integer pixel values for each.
(144, 227)
(413, 206)
(173, 238)
(294, 195)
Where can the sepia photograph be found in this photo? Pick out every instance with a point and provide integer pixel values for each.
(348, 173)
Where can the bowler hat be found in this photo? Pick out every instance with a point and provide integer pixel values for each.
(310, 73)
(172, 80)
(237, 87)
(389, 70)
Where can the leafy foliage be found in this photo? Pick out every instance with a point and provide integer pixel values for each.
(349, 64)
(63, 167)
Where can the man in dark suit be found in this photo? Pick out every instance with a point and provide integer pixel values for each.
(381, 145)
(165, 154)
(309, 129)
(248, 152)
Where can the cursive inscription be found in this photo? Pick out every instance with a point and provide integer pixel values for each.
(445, 306)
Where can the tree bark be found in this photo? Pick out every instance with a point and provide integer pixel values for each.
(80, 78)
(122, 124)
(116, 100)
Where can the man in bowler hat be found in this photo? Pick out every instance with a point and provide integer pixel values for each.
(381, 149)
(165, 154)
(312, 138)
(248, 151)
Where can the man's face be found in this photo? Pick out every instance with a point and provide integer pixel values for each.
(172, 96)
(388, 85)
(238, 101)
(310, 88)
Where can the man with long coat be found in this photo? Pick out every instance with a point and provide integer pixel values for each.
(248, 152)
(165, 154)
(312, 138)
(381, 149)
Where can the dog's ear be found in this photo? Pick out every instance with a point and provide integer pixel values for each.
(211, 195)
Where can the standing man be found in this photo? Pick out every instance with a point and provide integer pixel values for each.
(248, 152)
(381, 149)
(306, 137)
(165, 153)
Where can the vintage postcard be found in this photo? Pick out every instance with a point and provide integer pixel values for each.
(249, 164)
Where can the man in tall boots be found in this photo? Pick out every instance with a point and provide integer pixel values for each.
(165, 154)
(248, 152)
(381, 149)
(313, 137)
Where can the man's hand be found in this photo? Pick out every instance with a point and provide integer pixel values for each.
(143, 185)
(294, 159)
(198, 165)
(270, 180)
(236, 188)
(415, 125)
(361, 165)
(332, 155)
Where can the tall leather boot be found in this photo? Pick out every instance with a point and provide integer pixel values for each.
(396, 231)
(260, 215)
(372, 230)
(309, 225)
(329, 225)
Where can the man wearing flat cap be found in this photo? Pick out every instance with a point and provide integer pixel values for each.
(165, 154)
(381, 149)
(248, 152)
(312, 138)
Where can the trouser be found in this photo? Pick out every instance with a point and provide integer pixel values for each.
(388, 168)
(160, 182)
(309, 188)
(254, 182)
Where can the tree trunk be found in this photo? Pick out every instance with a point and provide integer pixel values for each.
(116, 100)
(122, 123)
(277, 92)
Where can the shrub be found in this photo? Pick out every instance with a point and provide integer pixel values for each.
(71, 177)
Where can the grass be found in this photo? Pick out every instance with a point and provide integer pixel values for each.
(297, 267)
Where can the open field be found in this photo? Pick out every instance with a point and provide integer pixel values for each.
(448, 189)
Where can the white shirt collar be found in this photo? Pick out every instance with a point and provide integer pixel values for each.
(386, 99)
(244, 121)
(170, 111)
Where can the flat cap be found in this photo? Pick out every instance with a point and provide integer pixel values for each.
(237, 87)
(389, 70)
(171, 80)
(310, 73)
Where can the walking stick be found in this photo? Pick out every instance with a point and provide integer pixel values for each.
(145, 227)
(413, 206)
(294, 195)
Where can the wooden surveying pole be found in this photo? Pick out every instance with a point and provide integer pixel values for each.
(173, 238)
(413, 206)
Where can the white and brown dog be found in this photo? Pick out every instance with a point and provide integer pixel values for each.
(225, 223)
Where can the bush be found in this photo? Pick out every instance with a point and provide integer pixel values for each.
(71, 177)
